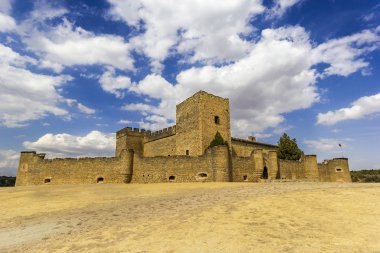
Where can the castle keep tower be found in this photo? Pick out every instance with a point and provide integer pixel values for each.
(199, 118)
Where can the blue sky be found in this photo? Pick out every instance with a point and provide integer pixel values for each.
(74, 72)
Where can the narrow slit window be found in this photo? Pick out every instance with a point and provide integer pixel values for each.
(187, 152)
(217, 120)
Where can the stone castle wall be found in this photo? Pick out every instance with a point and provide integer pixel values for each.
(335, 170)
(210, 167)
(130, 167)
(165, 146)
(244, 148)
(305, 169)
(34, 170)
(179, 154)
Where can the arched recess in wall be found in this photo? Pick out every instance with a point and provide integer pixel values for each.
(265, 173)
(99, 180)
(172, 178)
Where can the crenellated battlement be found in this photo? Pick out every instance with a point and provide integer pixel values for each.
(162, 133)
(129, 131)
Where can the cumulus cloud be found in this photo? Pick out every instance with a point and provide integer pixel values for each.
(8, 162)
(67, 45)
(26, 95)
(259, 89)
(7, 23)
(280, 7)
(360, 108)
(277, 76)
(154, 122)
(5, 6)
(124, 121)
(327, 144)
(207, 31)
(116, 85)
(94, 143)
(82, 108)
(345, 55)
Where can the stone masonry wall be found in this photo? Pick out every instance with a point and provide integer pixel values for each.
(128, 138)
(293, 170)
(306, 169)
(244, 148)
(212, 106)
(188, 128)
(161, 147)
(207, 168)
(34, 170)
(335, 170)
(243, 169)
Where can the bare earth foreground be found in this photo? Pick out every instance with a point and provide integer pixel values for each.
(191, 217)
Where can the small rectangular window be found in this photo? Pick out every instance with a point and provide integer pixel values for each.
(217, 120)
(187, 152)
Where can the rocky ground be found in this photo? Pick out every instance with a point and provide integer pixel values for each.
(191, 217)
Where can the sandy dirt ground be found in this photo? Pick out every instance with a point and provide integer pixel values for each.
(191, 217)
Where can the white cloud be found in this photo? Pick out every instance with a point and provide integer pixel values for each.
(281, 6)
(8, 56)
(205, 30)
(84, 109)
(25, 95)
(5, 6)
(360, 108)
(276, 77)
(124, 121)
(116, 85)
(66, 45)
(8, 162)
(94, 143)
(324, 144)
(155, 122)
(345, 55)
(7, 23)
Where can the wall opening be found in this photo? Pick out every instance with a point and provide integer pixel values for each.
(100, 180)
(245, 178)
(47, 180)
(338, 169)
(187, 152)
(202, 175)
(265, 173)
(217, 120)
(172, 178)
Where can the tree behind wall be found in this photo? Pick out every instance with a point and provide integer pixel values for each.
(288, 148)
(218, 140)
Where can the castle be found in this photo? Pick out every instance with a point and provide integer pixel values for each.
(180, 154)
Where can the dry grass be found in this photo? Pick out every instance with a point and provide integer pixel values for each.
(198, 217)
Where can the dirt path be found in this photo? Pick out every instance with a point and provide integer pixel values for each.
(200, 217)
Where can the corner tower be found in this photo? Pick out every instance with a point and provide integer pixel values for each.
(199, 118)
